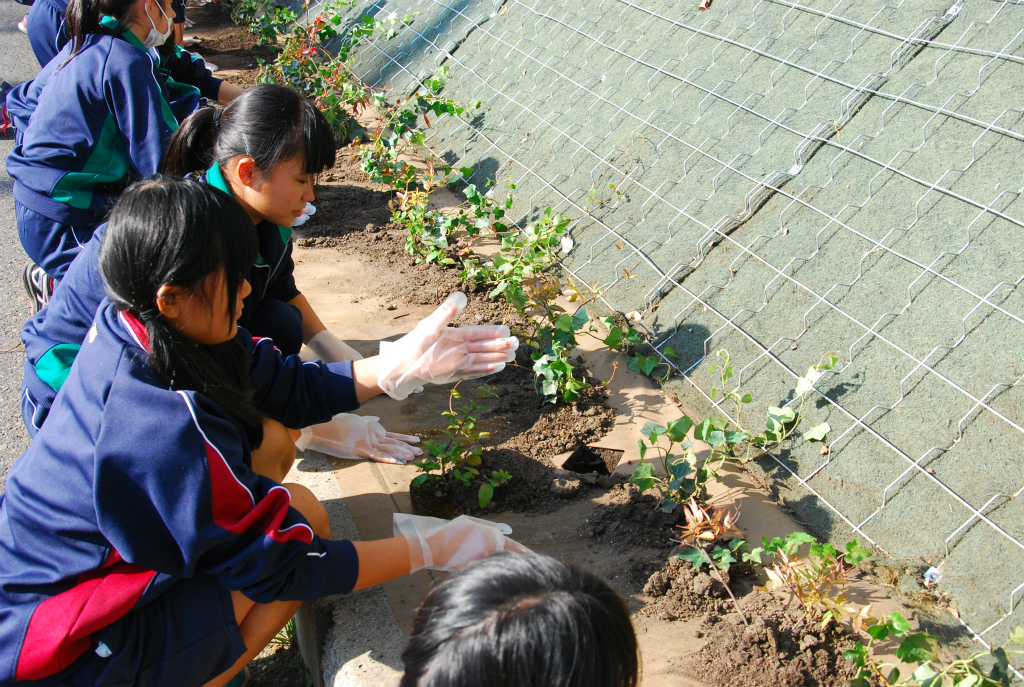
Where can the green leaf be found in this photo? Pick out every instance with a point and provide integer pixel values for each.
(652, 428)
(747, 398)
(701, 431)
(485, 494)
(723, 557)
(879, 632)
(643, 476)
(818, 432)
(900, 625)
(855, 553)
(857, 655)
(782, 415)
(579, 319)
(969, 681)
(1000, 672)
(925, 675)
(1017, 635)
(918, 648)
(643, 448)
(614, 338)
(716, 439)
(693, 555)
(893, 677)
(677, 429)
(754, 555)
(419, 479)
(564, 323)
(732, 438)
(502, 285)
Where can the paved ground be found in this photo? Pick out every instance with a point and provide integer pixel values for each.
(17, 64)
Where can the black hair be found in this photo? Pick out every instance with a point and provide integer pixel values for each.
(178, 232)
(83, 18)
(515, 620)
(269, 123)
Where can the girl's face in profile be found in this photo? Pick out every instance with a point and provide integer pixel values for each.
(282, 194)
(202, 313)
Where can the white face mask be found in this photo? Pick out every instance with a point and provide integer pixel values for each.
(154, 37)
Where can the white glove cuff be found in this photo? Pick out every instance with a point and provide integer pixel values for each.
(397, 387)
(331, 349)
(405, 525)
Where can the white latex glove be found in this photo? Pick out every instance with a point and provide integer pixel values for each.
(434, 353)
(330, 349)
(307, 212)
(354, 436)
(450, 544)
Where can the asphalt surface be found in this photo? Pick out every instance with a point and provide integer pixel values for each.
(17, 64)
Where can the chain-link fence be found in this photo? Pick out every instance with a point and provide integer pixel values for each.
(784, 179)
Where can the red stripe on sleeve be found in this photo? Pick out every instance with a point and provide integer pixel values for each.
(235, 510)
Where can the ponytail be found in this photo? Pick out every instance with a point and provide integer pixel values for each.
(179, 232)
(191, 147)
(268, 123)
(83, 17)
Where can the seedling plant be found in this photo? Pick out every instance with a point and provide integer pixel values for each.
(922, 649)
(456, 460)
(818, 580)
(710, 536)
(683, 475)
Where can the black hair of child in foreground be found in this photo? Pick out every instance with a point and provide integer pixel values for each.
(521, 621)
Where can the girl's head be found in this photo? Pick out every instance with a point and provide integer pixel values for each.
(83, 17)
(521, 621)
(270, 144)
(175, 255)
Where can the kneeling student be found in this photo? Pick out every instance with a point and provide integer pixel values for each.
(139, 543)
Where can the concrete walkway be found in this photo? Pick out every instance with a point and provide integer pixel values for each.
(17, 64)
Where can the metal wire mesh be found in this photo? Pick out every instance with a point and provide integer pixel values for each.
(784, 178)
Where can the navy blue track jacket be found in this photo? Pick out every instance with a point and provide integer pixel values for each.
(132, 485)
(90, 125)
(53, 336)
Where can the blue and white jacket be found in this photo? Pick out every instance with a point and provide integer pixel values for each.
(54, 335)
(133, 485)
(89, 125)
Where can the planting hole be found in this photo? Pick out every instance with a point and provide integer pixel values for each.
(587, 459)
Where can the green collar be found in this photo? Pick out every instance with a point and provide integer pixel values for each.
(215, 178)
(122, 32)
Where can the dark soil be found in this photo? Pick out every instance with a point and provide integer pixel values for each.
(225, 44)
(780, 647)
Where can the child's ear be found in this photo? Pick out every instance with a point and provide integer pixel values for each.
(246, 171)
(168, 301)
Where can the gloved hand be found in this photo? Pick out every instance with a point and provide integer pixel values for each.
(307, 212)
(330, 349)
(434, 353)
(355, 436)
(450, 544)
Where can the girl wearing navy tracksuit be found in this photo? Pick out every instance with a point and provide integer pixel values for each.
(139, 542)
(96, 117)
(266, 149)
(47, 34)
(282, 128)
